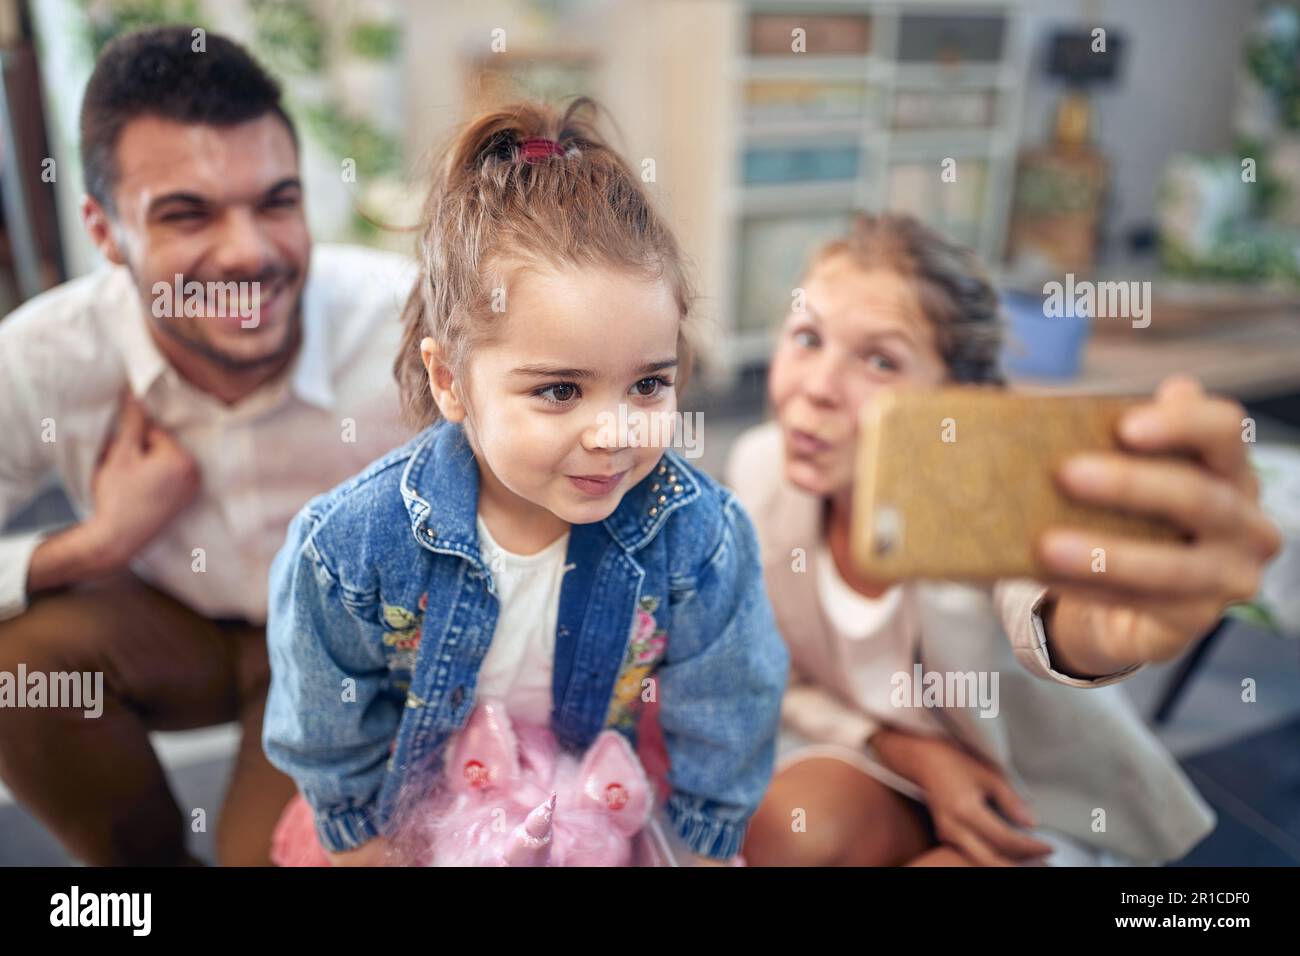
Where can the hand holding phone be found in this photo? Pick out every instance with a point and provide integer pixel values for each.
(1152, 542)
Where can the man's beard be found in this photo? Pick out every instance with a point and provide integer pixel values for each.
(197, 345)
(182, 334)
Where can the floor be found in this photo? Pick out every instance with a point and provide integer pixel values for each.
(1244, 757)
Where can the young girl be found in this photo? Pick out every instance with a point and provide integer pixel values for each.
(528, 546)
(1042, 770)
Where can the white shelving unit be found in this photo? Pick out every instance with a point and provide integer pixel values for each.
(814, 136)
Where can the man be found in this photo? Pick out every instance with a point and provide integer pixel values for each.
(190, 398)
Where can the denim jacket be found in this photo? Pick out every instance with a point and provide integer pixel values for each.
(382, 608)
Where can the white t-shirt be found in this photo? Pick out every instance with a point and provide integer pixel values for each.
(517, 667)
(893, 635)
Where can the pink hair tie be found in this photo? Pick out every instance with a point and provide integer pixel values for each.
(537, 149)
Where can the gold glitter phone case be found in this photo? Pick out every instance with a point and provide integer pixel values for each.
(956, 482)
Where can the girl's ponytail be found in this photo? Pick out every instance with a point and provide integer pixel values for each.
(526, 185)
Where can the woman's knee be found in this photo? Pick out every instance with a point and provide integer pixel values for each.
(825, 812)
(800, 821)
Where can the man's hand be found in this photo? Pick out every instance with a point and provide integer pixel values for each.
(143, 480)
(961, 793)
(1155, 599)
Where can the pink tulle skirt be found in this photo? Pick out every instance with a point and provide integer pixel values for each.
(295, 843)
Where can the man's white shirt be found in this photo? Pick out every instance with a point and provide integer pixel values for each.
(67, 357)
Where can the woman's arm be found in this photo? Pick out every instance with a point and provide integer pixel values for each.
(1027, 608)
(971, 803)
(1150, 601)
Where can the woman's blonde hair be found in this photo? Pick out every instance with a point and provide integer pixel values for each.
(956, 295)
(499, 200)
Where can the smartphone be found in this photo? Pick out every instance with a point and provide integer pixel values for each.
(956, 482)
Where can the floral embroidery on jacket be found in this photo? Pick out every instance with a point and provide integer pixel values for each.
(644, 651)
(404, 639)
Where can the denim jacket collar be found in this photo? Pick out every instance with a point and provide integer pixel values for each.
(440, 488)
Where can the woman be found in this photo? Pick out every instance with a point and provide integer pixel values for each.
(1052, 773)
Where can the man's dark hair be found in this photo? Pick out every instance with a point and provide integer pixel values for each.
(157, 72)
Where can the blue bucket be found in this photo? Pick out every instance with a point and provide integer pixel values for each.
(1041, 346)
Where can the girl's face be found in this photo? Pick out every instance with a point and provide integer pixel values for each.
(545, 395)
(861, 331)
